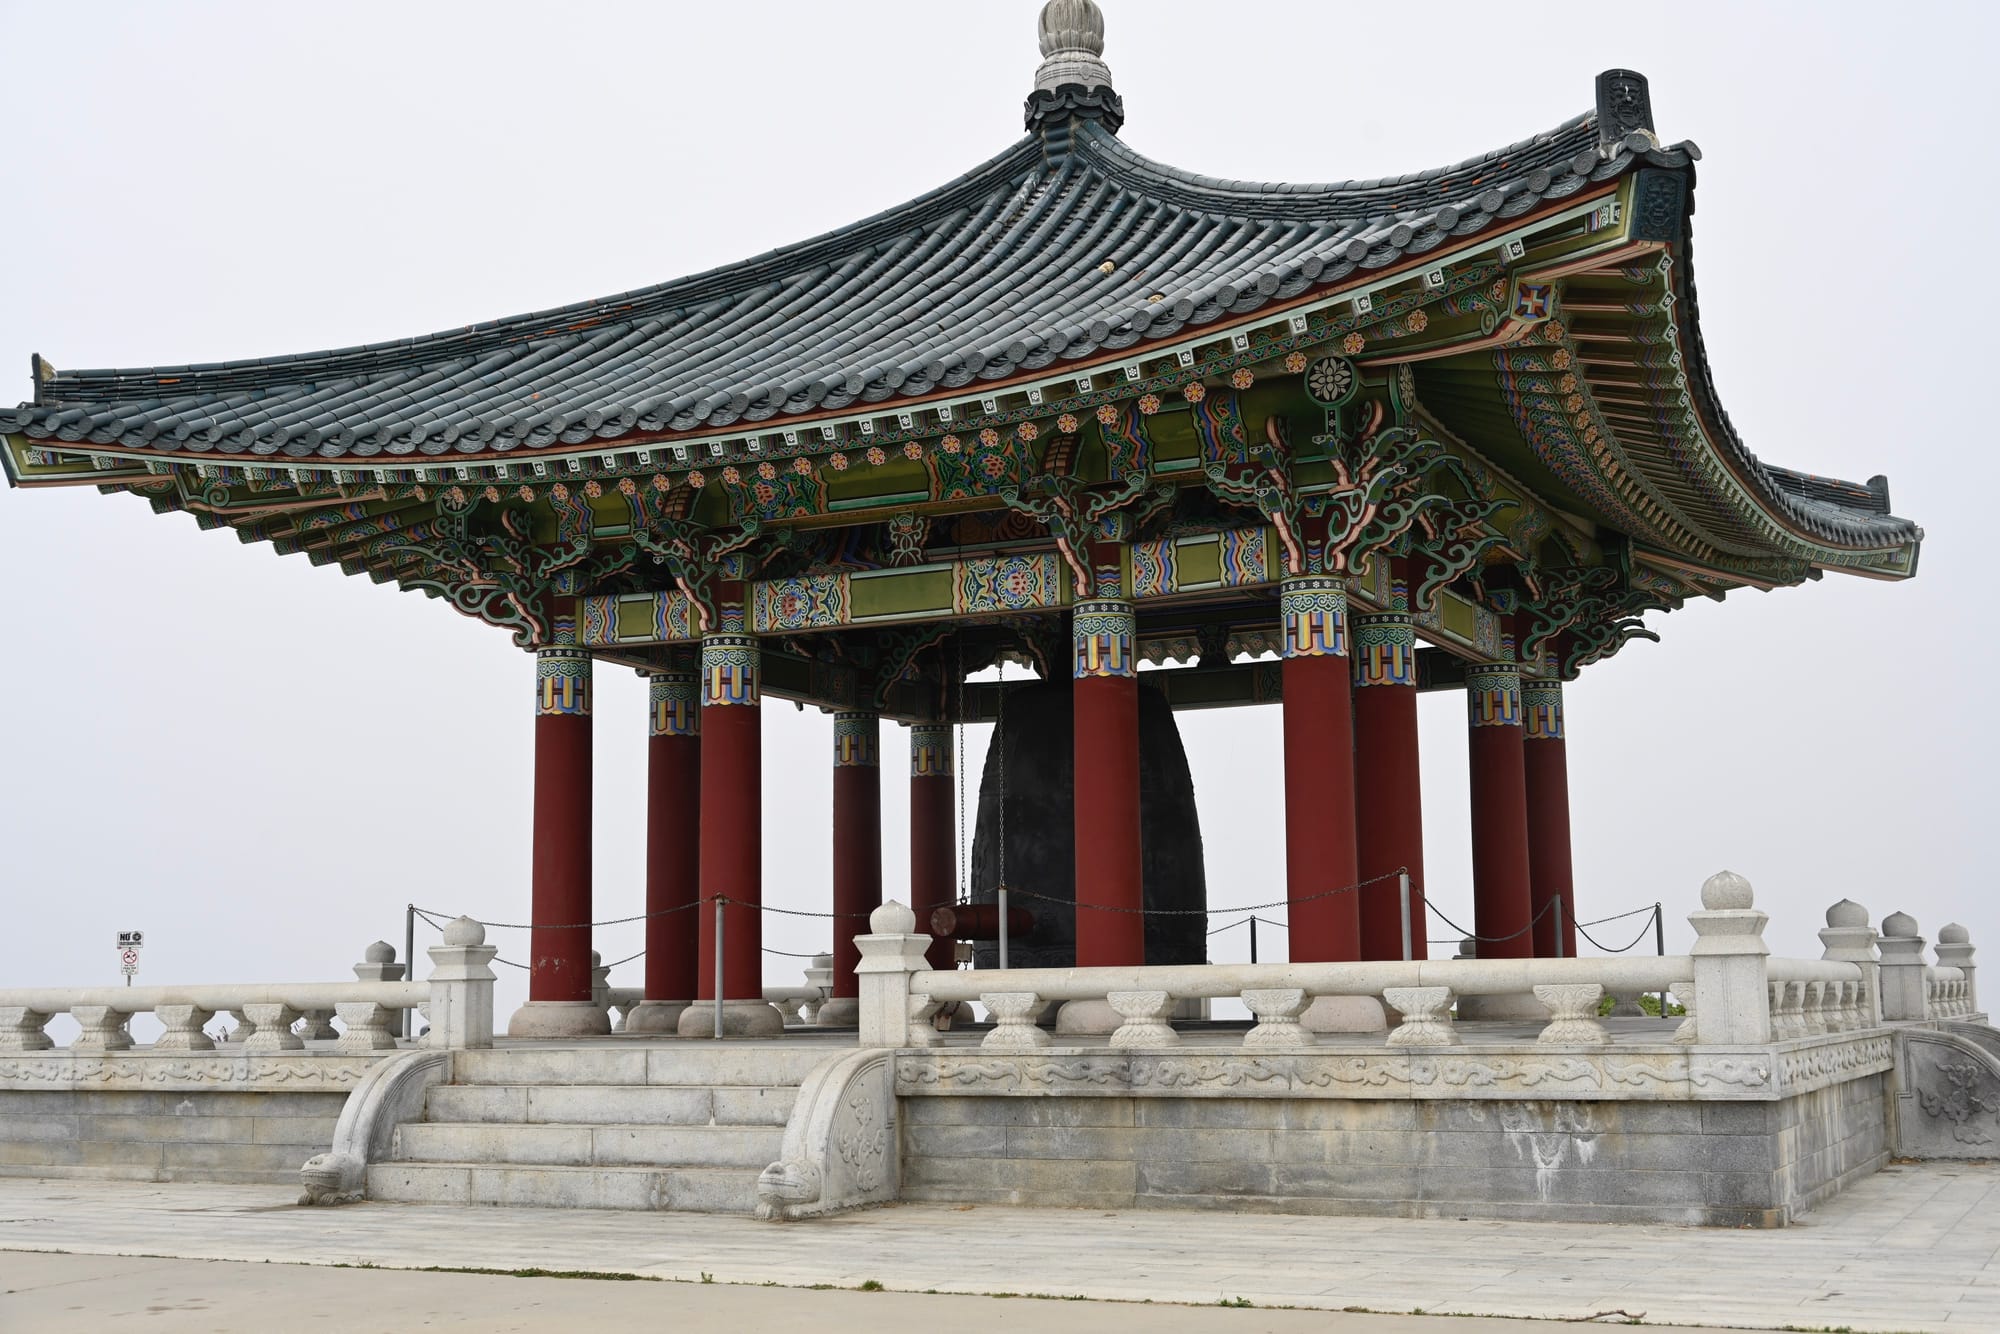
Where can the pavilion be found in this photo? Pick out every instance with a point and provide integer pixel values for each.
(1074, 409)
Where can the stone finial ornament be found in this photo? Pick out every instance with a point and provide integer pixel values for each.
(1073, 82)
(1951, 933)
(1899, 925)
(380, 952)
(1847, 914)
(892, 919)
(1726, 891)
(461, 931)
(1072, 39)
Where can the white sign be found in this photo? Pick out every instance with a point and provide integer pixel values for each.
(128, 968)
(130, 960)
(131, 940)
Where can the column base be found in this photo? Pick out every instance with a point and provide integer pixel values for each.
(657, 1017)
(559, 1019)
(1088, 1016)
(838, 1012)
(740, 1019)
(1345, 1014)
(1518, 1005)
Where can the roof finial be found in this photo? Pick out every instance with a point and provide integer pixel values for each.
(1073, 78)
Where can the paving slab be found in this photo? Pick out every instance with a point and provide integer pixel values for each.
(1840, 1267)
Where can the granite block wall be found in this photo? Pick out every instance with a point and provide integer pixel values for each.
(145, 1135)
(1737, 1164)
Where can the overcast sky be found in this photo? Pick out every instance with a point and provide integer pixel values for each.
(259, 762)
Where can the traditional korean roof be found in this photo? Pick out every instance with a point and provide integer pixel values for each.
(1536, 302)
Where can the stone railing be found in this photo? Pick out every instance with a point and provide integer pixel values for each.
(1734, 993)
(795, 1003)
(458, 997)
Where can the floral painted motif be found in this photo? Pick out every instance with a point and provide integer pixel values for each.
(802, 466)
(1067, 423)
(989, 437)
(1027, 430)
(731, 476)
(1352, 344)
(951, 444)
(767, 470)
(1108, 415)
(1295, 362)
(1241, 378)
(1149, 404)
(696, 480)
(876, 455)
(593, 488)
(1194, 391)
(913, 451)
(837, 461)
(1416, 321)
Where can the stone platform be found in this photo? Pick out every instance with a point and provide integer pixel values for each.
(1910, 1248)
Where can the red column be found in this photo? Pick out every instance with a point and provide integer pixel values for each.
(1109, 864)
(1546, 763)
(857, 850)
(1320, 853)
(1501, 899)
(932, 827)
(1388, 793)
(673, 862)
(558, 952)
(732, 833)
(559, 945)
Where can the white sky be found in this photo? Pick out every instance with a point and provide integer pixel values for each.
(259, 762)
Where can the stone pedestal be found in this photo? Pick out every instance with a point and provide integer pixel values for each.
(740, 1019)
(655, 1017)
(558, 1019)
(1087, 1016)
(838, 1012)
(1345, 1014)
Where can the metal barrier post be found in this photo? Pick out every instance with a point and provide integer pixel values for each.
(1556, 905)
(1403, 893)
(1253, 938)
(409, 963)
(721, 904)
(1001, 891)
(1660, 947)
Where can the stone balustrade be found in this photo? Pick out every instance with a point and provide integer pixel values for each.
(458, 997)
(1745, 997)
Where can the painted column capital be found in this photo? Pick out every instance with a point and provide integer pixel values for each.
(857, 740)
(930, 750)
(562, 682)
(1542, 709)
(674, 697)
(1313, 609)
(1103, 632)
(1493, 694)
(1385, 649)
(729, 662)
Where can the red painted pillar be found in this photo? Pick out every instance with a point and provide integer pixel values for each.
(559, 945)
(1109, 864)
(857, 852)
(933, 872)
(1388, 793)
(1320, 853)
(732, 832)
(673, 851)
(1502, 902)
(1546, 764)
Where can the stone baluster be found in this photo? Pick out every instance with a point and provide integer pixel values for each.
(1426, 1015)
(819, 976)
(1684, 993)
(1815, 1007)
(273, 1022)
(1848, 938)
(21, 1029)
(1954, 948)
(318, 1026)
(1145, 1019)
(1014, 1014)
(461, 1004)
(1729, 954)
(923, 1030)
(103, 1028)
(378, 964)
(244, 1027)
(1572, 1015)
(892, 950)
(1904, 984)
(368, 1027)
(185, 1028)
(1278, 1014)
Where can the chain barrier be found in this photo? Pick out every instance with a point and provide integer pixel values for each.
(1652, 916)
(1490, 940)
(1244, 921)
(1214, 912)
(1619, 917)
(566, 926)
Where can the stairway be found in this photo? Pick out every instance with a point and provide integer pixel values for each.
(683, 1126)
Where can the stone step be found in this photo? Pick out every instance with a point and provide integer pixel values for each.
(611, 1104)
(731, 1190)
(685, 1063)
(749, 1147)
